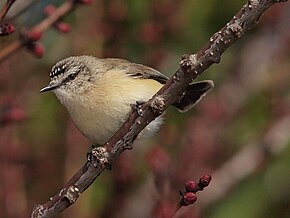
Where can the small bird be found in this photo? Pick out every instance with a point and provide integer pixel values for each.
(99, 93)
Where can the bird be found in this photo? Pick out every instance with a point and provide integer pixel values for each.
(98, 93)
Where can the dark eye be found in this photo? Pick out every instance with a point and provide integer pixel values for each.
(72, 76)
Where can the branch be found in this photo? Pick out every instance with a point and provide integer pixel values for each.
(5, 9)
(41, 27)
(190, 67)
(6, 28)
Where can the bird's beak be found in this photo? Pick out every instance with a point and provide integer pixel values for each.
(49, 88)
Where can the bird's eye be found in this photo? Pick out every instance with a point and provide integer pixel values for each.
(72, 76)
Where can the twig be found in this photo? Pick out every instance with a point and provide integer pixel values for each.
(6, 28)
(5, 9)
(190, 67)
(41, 27)
(191, 187)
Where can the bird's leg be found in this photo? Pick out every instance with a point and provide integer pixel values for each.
(89, 154)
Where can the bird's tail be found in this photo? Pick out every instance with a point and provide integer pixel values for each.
(193, 94)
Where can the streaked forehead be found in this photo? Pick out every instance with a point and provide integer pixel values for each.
(57, 70)
(61, 67)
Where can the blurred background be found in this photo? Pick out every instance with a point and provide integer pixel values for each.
(239, 133)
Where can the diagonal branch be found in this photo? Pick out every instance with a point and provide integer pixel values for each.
(41, 27)
(5, 9)
(190, 67)
(6, 28)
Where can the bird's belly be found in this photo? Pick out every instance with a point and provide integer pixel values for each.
(100, 126)
(101, 110)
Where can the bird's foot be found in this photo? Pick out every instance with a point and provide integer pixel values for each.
(138, 107)
(90, 154)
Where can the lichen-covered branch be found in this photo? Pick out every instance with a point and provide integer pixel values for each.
(190, 67)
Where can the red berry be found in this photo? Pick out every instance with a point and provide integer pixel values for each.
(189, 198)
(191, 186)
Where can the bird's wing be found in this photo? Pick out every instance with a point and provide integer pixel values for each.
(143, 72)
(137, 71)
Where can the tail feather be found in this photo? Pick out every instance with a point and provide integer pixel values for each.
(193, 94)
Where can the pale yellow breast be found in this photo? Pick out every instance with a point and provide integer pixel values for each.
(104, 107)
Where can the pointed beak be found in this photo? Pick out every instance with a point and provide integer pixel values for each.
(49, 88)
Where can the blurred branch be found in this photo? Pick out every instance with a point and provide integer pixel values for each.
(5, 9)
(190, 67)
(251, 157)
(23, 10)
(41, 27)
(6, 28)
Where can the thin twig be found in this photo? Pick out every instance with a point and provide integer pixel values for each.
(43, 26)
(5, 9)
(190, 67)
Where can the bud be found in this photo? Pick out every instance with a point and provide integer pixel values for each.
(191, 186)
(62, 27)
(204, 180)
(188, 199)
(36, 49)
(6, 29)
(34, 35)
(49, 9)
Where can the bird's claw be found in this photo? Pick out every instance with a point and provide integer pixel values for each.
(138, 107)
